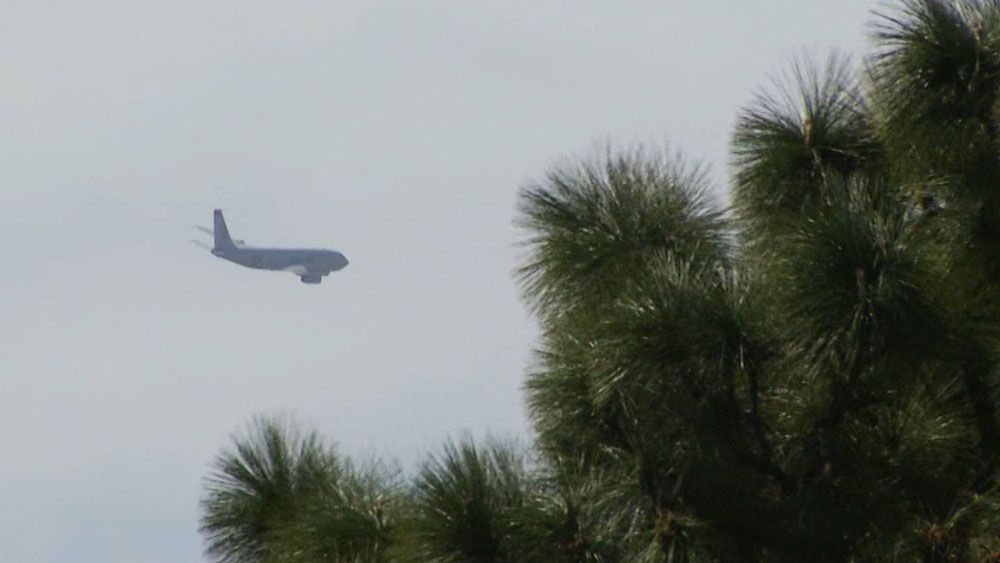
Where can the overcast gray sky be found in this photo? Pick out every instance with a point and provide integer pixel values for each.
(396, 132)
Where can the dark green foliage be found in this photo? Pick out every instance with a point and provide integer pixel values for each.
(281, 496)
(258, 485)
(353, 518)
(937, 75)
(593, 224)
(805, 128)
(465, 498)
(812, 376)
(562, 403)
(856, 278)
(822, 385)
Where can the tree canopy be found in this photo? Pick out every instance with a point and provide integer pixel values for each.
(809, 374)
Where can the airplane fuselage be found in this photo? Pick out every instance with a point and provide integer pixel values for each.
(283, 258)
(300, 261)
(310, 264)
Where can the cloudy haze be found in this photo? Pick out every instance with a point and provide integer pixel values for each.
(395, 132)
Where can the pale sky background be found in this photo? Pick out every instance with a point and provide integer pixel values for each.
(396, 132)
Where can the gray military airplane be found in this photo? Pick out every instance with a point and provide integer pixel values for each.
(307, 263)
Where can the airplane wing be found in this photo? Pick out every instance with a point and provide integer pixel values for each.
(309, 273)
(306, 270)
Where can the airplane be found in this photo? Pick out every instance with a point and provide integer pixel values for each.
(307, 263)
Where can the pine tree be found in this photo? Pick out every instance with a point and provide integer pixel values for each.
(810, 374)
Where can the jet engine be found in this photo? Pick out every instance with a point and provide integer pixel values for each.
(311, 279)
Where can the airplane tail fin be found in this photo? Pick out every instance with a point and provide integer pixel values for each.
(221, 233)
